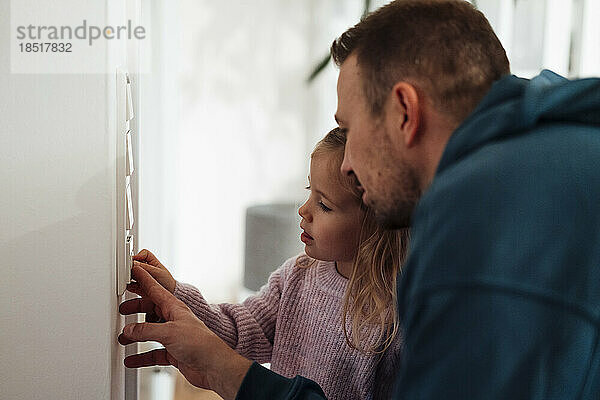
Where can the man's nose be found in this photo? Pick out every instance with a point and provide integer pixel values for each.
(346, 167)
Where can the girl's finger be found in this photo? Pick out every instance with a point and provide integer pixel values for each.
(152, 270)
(144, 255)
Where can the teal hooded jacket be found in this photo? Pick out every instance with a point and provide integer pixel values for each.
(500, 295)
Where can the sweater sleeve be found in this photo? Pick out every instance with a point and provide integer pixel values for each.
(387, 370)
(249, 327)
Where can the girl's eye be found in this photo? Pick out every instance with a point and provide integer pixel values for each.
(324, 207)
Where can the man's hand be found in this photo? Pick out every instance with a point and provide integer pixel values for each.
(150, 263)
(201, 356)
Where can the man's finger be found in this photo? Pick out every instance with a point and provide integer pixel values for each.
(146, 331)
(154, 357)
(158, 294)
(155, 317)
(123, 340)
(135, 306)
(134, 287)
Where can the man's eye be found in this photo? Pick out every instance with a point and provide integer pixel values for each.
(307, 188)
(324, 207)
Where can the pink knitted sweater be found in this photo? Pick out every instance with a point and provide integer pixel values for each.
(294, 323)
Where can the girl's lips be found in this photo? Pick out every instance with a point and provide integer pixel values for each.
(306, 238)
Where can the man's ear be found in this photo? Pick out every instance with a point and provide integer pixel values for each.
(407, 109)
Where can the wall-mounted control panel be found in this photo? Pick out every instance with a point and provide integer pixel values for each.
(125, 176)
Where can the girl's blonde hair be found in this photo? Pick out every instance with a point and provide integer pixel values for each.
(370, 298)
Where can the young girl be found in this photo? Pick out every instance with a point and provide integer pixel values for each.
(347, 274)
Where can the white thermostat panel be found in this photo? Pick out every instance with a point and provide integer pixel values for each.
(125, 175)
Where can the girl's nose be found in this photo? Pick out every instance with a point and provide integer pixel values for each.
(303, 211)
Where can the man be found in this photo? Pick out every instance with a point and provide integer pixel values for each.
(500, 177)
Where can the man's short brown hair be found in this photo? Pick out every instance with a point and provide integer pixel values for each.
(445, 47)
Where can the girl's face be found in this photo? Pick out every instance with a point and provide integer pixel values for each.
(331, 217)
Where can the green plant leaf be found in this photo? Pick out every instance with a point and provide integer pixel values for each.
(321, 66)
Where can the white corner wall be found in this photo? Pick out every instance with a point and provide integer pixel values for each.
(58, 319)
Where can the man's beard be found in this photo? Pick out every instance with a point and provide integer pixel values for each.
(396, 210)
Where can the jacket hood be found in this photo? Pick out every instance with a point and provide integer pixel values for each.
(515, 105)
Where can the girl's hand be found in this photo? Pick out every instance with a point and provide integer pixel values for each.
(146, 260)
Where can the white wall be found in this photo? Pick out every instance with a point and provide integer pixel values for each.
(59, 318)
